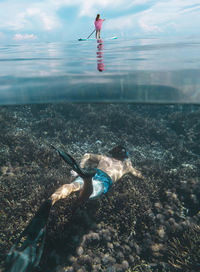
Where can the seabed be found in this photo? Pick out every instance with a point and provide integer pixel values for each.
(140, 225)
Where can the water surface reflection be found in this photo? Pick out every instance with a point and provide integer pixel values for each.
(100, 62)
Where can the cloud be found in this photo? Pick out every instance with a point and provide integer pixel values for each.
(27, 15)
(164, 15)
(49, 18)
(120, 23)
(161, 17)
(149, 27)
(25, 37)
(89, 8)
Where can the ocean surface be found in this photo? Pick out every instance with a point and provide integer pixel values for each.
(153, 70)
(90, 97)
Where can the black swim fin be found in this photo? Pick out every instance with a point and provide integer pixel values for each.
(84, 173)
(26, 253)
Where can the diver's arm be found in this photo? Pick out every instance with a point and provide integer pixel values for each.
(131, 170)
(91, 157)
(135, 172)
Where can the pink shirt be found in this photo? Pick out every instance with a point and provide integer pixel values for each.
(98, 24)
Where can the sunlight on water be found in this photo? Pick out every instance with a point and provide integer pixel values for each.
(141, 70)
(55, 157)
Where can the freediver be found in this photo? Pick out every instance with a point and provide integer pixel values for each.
(25, 254)
(109, 170)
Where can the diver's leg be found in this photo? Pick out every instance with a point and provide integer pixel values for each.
(64, 191)
(86, 191)
(99, 33)
(96, 33)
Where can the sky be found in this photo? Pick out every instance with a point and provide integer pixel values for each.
(63, 20)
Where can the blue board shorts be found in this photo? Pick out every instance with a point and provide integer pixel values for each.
(101, 183)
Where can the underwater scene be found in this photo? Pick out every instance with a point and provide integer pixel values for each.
(100, 157)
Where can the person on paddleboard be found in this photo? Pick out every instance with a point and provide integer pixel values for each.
(98, 24)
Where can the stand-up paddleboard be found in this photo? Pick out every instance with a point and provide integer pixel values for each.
(93, 39)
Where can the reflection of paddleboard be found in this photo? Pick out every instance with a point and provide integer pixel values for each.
(93, 39)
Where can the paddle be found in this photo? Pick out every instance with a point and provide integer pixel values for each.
(91, 34)
(88, 36)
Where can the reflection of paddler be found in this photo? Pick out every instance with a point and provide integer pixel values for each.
(26, 253)
(100, 63)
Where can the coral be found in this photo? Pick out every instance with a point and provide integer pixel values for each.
(140, 225)
(142, 266)
(184, 251)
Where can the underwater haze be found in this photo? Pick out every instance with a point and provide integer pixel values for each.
(89, 97)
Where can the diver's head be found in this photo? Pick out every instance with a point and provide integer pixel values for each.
(119, 152)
